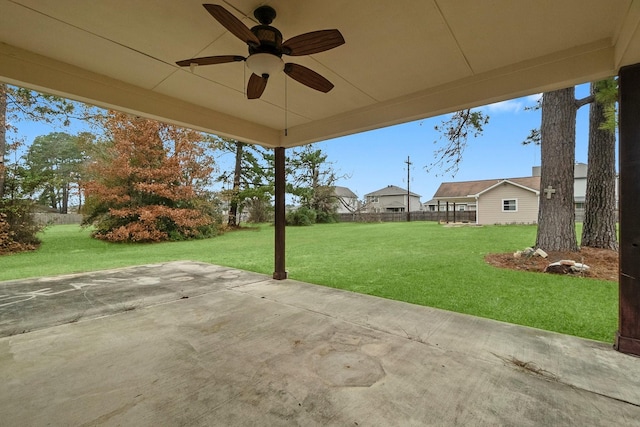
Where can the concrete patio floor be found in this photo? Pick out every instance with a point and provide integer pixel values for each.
(190, 344)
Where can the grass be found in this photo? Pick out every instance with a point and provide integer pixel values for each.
(418, 262)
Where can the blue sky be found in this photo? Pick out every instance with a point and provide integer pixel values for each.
(372, 160)
(377, 158)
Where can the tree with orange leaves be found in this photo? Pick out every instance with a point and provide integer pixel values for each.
(147, 183)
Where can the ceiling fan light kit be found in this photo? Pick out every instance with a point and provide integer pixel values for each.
(265, 64)
(266, 48)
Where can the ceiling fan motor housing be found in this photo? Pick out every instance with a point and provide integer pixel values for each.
(270, 40)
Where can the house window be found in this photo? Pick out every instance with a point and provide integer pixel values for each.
(509, 205)
(373, 199)
(461, 208)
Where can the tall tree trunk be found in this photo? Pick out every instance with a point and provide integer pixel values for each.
(64, 208)
(556, 214)
(3, 135)
(237, 173)
(315, 201)
(53, 198)
(599, 228)
(79, 199)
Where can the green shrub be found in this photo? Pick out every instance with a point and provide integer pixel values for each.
(301, 216)
(18, 229)
(326, 217)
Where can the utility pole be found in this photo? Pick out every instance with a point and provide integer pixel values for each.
(408, 162)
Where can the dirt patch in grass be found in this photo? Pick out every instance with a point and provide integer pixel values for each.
(603, 263)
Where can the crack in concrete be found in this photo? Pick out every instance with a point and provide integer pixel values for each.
(534, 369)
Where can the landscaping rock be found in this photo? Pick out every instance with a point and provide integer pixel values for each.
(530, 252)
(541, 253)
(580, 268)
(566, 266)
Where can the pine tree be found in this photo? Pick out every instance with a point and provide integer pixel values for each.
(312, 181)
(251, 178)
(52, 164)
(599, 227)
(556, 214)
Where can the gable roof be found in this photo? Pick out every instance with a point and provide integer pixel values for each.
(391, 190)
(475, 188)
(515, 184)
(344, 192)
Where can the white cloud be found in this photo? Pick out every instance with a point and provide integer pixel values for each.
(514, 105)
(511, 106)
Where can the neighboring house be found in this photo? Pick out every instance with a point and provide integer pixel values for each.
(496, 201)
(500, 201)
(579, 186)
(346, 200)
(392, 199)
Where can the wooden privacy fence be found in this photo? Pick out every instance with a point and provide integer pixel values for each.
(56, 218)
(580, 215)
(459, 216)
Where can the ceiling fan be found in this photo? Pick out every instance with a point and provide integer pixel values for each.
(266, 49)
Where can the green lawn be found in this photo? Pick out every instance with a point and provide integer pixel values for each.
(419, 262)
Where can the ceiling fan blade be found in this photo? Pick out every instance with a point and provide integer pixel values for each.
(231, 23)
(308, 77)
(210, 60)
(313, 42)
(256, 86)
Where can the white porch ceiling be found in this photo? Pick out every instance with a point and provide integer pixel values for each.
(403, 60)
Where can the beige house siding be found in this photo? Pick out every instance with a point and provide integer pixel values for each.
(385, 203)
(346, 205)
(392, 199)
(346, 201)
(490, 205)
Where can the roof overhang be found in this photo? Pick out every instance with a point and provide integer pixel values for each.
(504, 182)
(445, 198)
(402, 61)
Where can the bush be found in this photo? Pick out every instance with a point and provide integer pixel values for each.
(301, 216)
(260, 210)
(17, 227)
(157, 223)
(326, 217)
